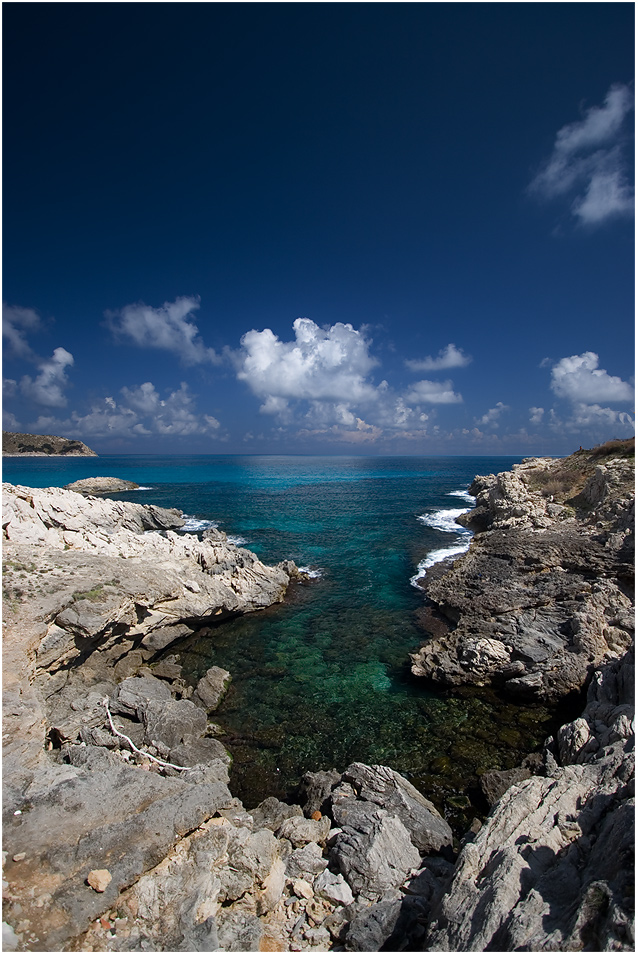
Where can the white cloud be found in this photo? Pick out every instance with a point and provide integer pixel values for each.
(588, 161)
(607, 194)
(321, 381)
(579, 379)
(319, 365)
(536, 415)
(601, 422)
(47, 387)
(433, 392)
(169, 327)
(492, 416)
(448, 357)
(17, 322)
(9, 387)
(9, 421)
(141, 412)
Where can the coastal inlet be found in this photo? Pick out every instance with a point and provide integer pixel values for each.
(323, 679)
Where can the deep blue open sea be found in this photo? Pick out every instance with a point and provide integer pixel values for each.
(323, 679)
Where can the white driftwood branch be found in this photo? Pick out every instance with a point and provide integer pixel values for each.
(162, 762)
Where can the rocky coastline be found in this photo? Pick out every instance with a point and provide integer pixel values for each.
(120, 832)
(16, 444)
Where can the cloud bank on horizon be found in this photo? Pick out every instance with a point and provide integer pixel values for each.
(319, 385)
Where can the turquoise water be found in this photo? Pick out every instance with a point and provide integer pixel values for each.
(323, 679)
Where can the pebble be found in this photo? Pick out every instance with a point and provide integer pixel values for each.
(19, 856)
(99, 879)
(302, 889)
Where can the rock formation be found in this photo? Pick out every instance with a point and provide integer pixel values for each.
(120, 832)
(552, 867)
(14, 443)
(543, 595)
(101, 485)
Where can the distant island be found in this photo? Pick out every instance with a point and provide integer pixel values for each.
(14, 443)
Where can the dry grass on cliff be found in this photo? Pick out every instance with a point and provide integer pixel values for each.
(566, 477)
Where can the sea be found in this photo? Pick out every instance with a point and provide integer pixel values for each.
(324, 678)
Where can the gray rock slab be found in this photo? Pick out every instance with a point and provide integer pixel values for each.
(212, 687)
(271, 813)
(299, 830)
(373, 851)
(383, 787)
(306, 862)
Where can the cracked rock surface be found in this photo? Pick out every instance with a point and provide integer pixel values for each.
(545, 593)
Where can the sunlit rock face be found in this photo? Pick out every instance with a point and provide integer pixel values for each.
(542, 596)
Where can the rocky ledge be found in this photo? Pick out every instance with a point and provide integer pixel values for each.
(545, 593)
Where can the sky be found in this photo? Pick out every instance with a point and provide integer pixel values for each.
(319, 228)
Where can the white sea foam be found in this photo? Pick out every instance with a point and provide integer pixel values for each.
(465, 495)
(311, 573)
(142, 488)
(445, 520)
(236, 540)
(193, 524)
(435, 557)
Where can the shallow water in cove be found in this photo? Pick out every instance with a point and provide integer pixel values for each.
(323, 679)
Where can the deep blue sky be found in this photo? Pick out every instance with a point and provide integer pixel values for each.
(407, 177)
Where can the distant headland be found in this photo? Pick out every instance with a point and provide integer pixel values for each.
(14, 443)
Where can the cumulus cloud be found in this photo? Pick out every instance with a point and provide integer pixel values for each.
(141, 411)
(433, 392)
(169, 327)
(47, 387)
(448, 357)
(536, 415)
(588, 162)
(329, 364)
(325, 368)
(9, 421)
(579, 379)
(492, 416)
(17, 323)
(600, 422)
(9, 387)
(321, 383)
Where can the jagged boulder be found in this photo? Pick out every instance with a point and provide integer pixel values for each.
(552, 866)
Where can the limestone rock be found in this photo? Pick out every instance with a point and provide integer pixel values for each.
(92, 597)
(306, 862)
(540, 599)
(101, 485)
(370, 929)
(386, 788)
(212, 687)
(333, 887)
(99, 879)
(299, 830)
(316, 789)
(373, 851)
(272, 813)
(550, 868)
